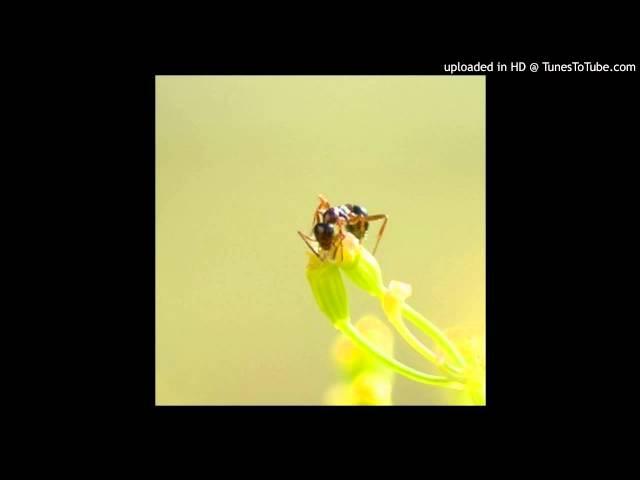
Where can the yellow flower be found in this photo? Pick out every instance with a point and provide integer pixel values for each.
(376, 332)
(351, 359)
(372, 388)
(470, 340)
(368, 388)
(339, 394)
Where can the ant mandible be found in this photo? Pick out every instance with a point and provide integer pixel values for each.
(329, 223)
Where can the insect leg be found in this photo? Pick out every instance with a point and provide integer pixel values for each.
(324, 205)
(373, 218)
(306, 239)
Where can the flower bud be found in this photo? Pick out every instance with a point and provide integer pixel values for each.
(328, 289)
(361, 267)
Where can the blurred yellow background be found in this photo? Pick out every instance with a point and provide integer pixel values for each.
(239, 163)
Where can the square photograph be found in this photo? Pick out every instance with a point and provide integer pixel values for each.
(320, 240)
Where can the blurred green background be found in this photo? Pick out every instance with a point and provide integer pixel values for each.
(239, 164)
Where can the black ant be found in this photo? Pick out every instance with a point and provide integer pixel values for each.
(329, 223)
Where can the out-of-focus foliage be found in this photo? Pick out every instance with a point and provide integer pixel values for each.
(471, 341)
(363, 380)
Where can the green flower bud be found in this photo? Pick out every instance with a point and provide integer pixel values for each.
(328, 289)
(362, 267)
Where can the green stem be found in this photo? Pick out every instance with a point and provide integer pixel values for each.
(434, 332)
(400, 368)
(419, 347)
